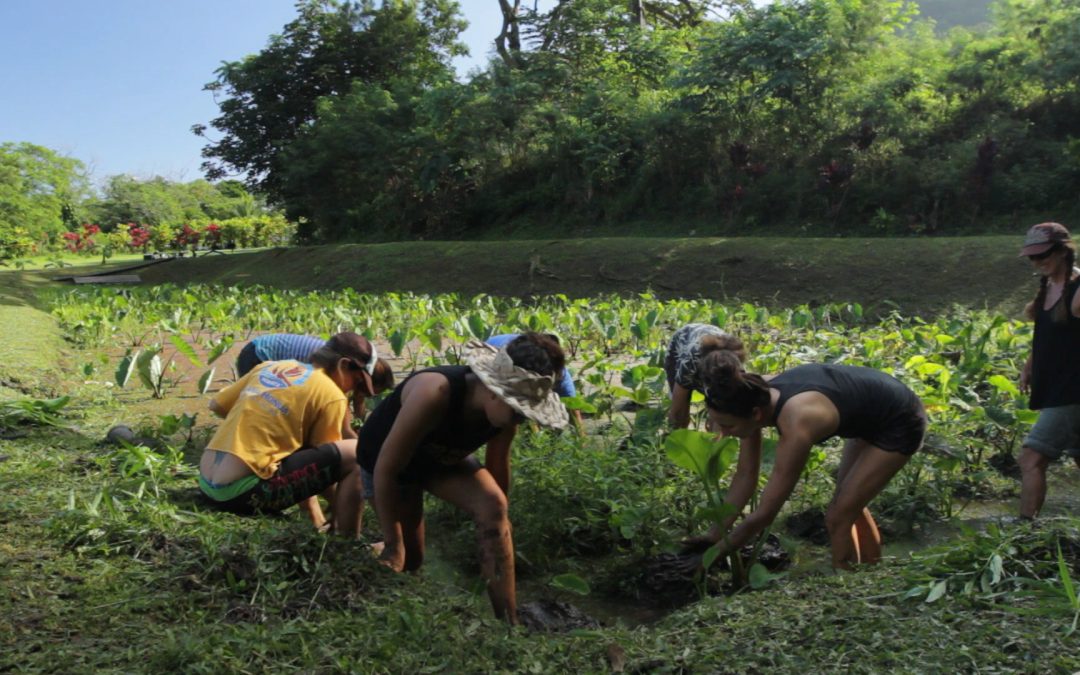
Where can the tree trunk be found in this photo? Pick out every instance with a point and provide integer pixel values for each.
(508, 42)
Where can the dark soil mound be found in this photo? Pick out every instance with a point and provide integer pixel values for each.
(552, 616)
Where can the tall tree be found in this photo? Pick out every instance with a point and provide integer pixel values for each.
(271, 96)
(41, 192)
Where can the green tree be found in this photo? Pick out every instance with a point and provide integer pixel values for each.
(270, 97)
(42, 193)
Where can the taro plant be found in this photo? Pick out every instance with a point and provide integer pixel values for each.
(709, 457)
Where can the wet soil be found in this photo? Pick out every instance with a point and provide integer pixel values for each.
(667, 581)
(554, 616)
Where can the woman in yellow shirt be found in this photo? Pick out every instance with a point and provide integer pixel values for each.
(286, 435)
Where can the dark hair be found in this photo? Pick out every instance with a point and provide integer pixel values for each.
(356, 349)
(537, 352)
(1061, 310)
(710, 344)
(728, 388)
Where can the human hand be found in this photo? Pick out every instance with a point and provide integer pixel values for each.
(697, 544)
(1025, 379)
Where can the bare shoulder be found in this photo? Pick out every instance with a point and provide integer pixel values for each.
(810, 415)
(428, 390)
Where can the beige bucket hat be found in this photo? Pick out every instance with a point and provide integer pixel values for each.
(523, 390)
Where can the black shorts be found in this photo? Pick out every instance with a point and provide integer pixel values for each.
(303, 474)
(904, 433)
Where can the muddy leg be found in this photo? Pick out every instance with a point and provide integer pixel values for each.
(476, 492)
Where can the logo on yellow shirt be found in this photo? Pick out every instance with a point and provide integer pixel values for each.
(285, 374)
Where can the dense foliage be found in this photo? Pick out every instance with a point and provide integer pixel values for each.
(838, 114)
(46, 205)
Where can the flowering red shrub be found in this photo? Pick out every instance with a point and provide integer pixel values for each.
(78, 242)
(187, 236)
(212, 236)
(138, 237)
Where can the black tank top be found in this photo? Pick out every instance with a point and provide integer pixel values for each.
(1055, 352)
(447, 444)
(868, 400)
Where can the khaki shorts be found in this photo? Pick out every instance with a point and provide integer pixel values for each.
(1057, 432)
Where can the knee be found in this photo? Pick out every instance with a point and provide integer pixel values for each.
(1031, 461)
(492, 511)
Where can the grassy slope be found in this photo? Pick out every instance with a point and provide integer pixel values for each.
(923, 276)
(30, 343)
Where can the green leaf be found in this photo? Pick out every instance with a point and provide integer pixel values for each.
(937, 591)
(125, 368)
(397, 342)
(479, 327)
(187, 350)
(578, 403)
(692, 450)
(709, 557)
(1004, 385)
(571, 583)
(760, 577)
(219, 348)
(205, 381)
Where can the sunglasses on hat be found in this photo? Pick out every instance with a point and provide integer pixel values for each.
(1044, 255)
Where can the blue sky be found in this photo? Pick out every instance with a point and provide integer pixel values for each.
(118, 83)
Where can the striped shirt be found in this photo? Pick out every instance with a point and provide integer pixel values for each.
(286, 346)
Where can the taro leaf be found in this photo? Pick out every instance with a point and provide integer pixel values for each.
(709, 557)
(397, 342)
(219, 348)
(578, 403)
(1027, 416)
(1004, 385)
(716, 514)
(939, 589)
(126, 368)
(693, 450)
(479, 327)
(149, 368)
(205, 381)
(760, 577)
(186, 349)
(572, 583)
(1000, 416)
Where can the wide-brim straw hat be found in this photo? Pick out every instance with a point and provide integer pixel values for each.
(529, 393)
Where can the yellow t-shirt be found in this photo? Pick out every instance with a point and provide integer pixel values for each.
(276, 409)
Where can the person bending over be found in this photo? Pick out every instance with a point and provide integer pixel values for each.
(286, 435)
(882, 419)
(422, 437)
(682, 364)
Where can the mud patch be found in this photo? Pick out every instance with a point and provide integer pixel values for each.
(665, 582)
(808, 525)
(553, 616)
